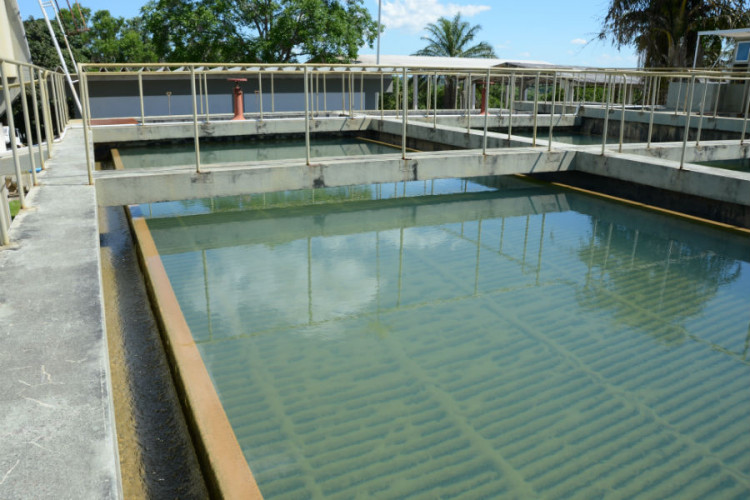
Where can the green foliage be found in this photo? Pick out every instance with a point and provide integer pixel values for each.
(107, 39)
(15, 206)
(320, 30)
(116, 39)
(43, 50)
(193, 31)
(282, 31)
(664, 32)
(453, 38)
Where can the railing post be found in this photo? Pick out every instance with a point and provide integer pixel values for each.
(325, 93)
(85, 117)
(382, 98)
(260, 94)
(343, 95)
(196, 139)
(512, 99)
(406, 112)
(486, 111)
(140, 96)
(35, 108)
(351, 94)
(27, 123)
(703, 108)
(688, 109)
(273, 92)
(46, 111)
(12, 131)
(607, 97)
(468, 86)
(536, 108)
(4, 216)
(552, 114)
(434, 107)
(55, 102)
(205, 94)
(654, 92)
(307, 116)
(622, 115)
(744, 121)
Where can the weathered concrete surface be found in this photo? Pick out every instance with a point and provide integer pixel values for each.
(180, 183)
(327, 122)
(57, 433)
(184, 130)
(662, 117)
(707, 182)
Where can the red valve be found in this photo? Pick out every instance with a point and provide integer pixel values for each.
(238, 103)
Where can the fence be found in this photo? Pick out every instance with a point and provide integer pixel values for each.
(21, 82)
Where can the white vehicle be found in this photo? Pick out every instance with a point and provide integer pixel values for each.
(6, 137)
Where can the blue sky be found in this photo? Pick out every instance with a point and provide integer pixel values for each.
(545, 30)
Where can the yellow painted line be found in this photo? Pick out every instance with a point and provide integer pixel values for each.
(217, 446)
(117, 160)
(674, 213)
(387, 144)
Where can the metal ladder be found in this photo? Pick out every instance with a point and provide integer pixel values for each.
(44, 5)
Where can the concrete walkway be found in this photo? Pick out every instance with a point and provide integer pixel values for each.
(57, 429)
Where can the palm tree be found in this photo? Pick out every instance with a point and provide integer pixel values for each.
(664, 32)
(452, 38)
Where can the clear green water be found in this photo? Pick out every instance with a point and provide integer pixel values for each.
(523, 342)
(166, 155)
(741, 164)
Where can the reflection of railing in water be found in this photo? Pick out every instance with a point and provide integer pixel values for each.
(571, 88)
(592, 256)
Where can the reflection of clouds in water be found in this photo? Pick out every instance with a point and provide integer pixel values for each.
(417, 238)
(257, 284)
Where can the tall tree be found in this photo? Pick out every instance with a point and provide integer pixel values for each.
(280, 31)
(116, 39)
(318, 30)
(453, 38)
(193, 30)
(664, 32)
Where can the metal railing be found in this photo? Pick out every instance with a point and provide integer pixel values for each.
(413, 93)
(20, 82)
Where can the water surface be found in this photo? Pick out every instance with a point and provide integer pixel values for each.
(509, 341)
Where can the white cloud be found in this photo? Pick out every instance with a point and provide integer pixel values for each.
(578, 41)
(524, 54)
(502, 46)
(414, 15)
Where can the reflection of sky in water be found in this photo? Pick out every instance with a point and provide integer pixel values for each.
(528, 342)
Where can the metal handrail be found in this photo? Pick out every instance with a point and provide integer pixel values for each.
(622, 90)
(18, 76)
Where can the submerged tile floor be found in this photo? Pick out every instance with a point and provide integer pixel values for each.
(528, 343)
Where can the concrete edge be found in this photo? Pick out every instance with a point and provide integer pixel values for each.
(108, 367)
(227, 472)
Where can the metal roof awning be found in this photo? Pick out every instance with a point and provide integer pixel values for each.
(735, 34)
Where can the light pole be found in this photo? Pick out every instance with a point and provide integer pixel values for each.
(377, 57)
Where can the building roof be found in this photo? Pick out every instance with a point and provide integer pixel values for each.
(444, 62)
